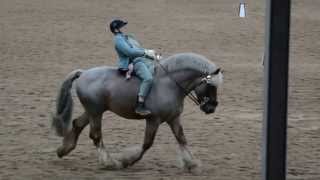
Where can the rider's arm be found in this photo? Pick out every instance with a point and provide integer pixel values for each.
(124, 47)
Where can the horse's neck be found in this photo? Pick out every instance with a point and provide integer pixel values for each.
(187, 79)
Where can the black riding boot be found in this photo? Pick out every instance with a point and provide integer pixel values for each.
(141, 109)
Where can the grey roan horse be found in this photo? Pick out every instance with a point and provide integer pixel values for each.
(103, 89)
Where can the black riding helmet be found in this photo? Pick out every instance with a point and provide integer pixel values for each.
(117, 24)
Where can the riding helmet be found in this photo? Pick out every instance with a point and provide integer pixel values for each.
(117, 24)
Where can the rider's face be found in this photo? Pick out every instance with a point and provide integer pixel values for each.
(118, 30)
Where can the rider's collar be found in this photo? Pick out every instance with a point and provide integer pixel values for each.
(119, 33)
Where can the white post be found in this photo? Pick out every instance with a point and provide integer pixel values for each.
(242, 9)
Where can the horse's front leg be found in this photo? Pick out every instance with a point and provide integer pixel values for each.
(187, 159)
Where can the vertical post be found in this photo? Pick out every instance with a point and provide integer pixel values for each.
(276, 90)
(242, 9)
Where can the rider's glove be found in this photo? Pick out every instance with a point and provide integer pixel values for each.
(150, 53)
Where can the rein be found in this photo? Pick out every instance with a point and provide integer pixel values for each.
(190, 95)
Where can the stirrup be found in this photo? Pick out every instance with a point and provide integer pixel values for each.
(141, 110)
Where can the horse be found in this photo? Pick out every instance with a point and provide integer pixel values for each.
(103, 88)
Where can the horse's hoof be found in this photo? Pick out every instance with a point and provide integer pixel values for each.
(60, 152)
(190, 166)
(111, 165)
(194, 167)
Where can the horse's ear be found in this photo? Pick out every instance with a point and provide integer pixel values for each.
(217, 71)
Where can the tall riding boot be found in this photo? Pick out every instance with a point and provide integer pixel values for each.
(141, 109)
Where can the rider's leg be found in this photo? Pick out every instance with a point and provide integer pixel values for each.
(145, 75)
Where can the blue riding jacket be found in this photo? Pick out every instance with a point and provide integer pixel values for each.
(127, 49)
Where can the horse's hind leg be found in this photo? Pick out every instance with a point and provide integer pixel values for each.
(187, 159)
(96, 135)
(133, 155)
(95, 130)
(71, 138)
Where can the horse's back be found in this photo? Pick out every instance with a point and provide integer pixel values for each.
(106, 87)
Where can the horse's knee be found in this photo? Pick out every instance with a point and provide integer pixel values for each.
(77, 127)
(80, 122)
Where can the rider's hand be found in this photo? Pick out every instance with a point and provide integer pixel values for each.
(150, 53)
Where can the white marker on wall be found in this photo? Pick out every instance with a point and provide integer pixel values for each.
(242, 9)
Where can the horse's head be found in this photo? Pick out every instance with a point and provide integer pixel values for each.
(206, 91)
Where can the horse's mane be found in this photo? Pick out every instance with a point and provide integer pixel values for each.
(192, 61)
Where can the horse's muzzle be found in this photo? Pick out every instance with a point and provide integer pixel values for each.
(208, 108)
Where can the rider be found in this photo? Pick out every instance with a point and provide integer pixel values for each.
(130, 51)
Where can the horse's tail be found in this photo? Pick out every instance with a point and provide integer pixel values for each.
(64, 104)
